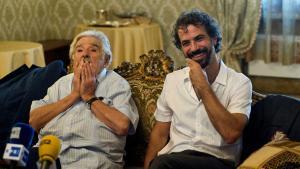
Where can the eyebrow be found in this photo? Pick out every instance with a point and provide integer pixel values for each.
(199, 36)
(94, 45)
(194, 38)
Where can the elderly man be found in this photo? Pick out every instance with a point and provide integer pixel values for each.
(203, 108)
(91, 110)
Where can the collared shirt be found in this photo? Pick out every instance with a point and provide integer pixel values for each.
(86, 141)
(191, 128)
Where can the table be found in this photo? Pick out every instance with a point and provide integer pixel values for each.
(14, 54)
(129, 42)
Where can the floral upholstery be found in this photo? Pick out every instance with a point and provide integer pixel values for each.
(146, 80)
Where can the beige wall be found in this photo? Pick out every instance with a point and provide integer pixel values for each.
(25, 19)
(55, 19)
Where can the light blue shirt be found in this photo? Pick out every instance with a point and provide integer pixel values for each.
(86, 141)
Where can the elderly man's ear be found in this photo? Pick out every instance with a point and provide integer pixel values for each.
(107, 58)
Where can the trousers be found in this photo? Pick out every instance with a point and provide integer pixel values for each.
(190, 159)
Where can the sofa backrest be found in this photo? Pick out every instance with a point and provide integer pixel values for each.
(146, 80)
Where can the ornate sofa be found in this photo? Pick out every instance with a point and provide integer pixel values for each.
(269, 113)
(146, 80)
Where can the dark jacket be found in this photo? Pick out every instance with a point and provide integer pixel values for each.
(273, 113)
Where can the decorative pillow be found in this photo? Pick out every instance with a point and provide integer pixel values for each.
(18, 89)
(283, 154)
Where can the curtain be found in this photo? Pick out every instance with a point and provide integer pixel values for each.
(239, 20)
(278, 40)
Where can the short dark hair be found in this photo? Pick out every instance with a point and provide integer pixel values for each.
(196, 17)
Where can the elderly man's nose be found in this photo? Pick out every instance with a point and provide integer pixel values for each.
(84, 52)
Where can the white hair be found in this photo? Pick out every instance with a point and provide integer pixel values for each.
(97, 34)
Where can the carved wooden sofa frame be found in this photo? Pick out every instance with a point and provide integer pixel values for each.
(146, 80)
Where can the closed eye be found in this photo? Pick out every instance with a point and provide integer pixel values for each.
(185, 43)
(199, 38)
(78, 50)
(94, 49)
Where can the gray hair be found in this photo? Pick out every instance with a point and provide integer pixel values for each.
(97, 34)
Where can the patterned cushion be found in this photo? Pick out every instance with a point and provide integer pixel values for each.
(146, 80)
(283, 154)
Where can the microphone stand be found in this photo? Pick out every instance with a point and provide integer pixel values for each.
(13, 165)
(45, 164)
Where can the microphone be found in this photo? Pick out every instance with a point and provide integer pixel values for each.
(17, 149)
(48, 150)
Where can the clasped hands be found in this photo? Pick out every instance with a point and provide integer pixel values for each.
(84, 81)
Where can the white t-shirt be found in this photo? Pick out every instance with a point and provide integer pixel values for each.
(191, 128)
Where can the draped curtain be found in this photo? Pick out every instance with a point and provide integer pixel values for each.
(278, 39)
(239, 20)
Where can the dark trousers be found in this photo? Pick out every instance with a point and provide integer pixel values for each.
(190, 159)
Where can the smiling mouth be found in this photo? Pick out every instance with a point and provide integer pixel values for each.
(199, 56)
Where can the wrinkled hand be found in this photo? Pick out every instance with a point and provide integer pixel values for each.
(197, 75)
(88, 81)
(76, 80)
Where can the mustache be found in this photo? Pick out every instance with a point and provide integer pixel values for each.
(197, 52)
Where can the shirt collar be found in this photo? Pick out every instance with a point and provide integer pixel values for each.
(222, 75)
(101, 75)
(186, 72)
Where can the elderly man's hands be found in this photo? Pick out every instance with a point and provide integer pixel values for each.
(88, 81)
(76, 80)
(84, 81)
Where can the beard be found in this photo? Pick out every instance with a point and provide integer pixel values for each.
(208, 54)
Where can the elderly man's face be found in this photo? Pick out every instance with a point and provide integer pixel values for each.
(89, 49)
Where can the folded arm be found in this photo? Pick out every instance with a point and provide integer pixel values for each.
(40, 116)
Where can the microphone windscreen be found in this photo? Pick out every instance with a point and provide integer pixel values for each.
(49, 148)
(17, 149)
(22, 133)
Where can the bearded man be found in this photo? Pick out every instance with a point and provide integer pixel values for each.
(203, 108)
